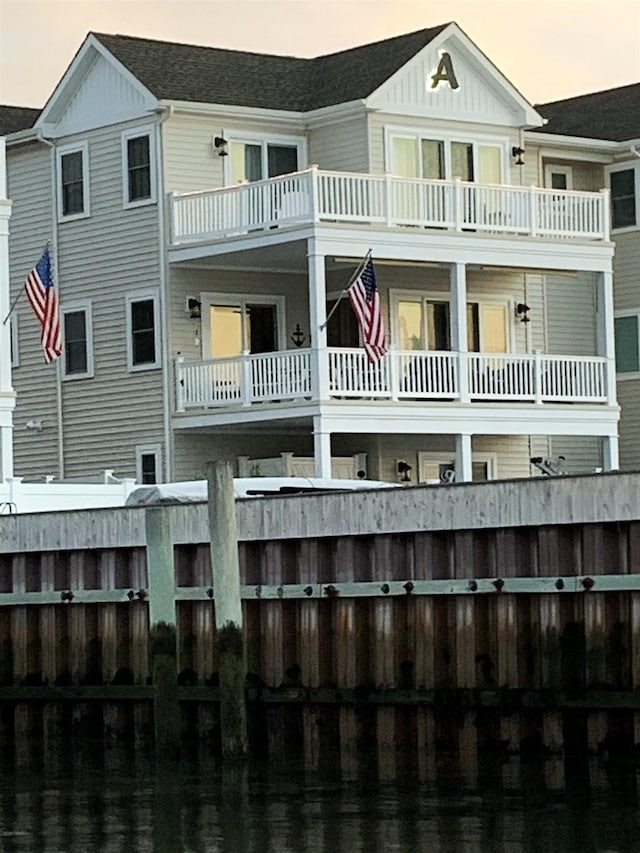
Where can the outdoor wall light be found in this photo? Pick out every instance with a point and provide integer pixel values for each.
(194, 307)
(405, 469)
(220, 144)
(522, 311)
(517, 153)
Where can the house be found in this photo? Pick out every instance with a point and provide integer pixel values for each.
(206, 211)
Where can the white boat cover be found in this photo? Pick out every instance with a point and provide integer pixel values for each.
(245, 487)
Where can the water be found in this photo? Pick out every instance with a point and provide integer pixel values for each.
(120, 799)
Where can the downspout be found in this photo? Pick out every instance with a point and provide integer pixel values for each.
(167, 366)
(54, 245)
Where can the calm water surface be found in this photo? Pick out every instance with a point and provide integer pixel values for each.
(120, 799)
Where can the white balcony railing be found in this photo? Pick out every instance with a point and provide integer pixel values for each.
(315, 196)
(285, 376)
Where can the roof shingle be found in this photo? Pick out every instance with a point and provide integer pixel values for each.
(613, 114)
(13, 119)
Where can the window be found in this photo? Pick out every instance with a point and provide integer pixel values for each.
(143, 325)
(243, 323)
(255, 159)
(73, 181)
(77, 338)
(558, 177)
(13, 340)
(622, 182)
(434, 467)
(627, 341)
(138, 168)
(425, 324)
(148, 464)
(415, 156)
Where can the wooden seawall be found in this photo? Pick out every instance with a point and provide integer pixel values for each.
(497, 616)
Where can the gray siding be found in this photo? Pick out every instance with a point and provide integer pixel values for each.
(341, 145)
(571, 314)
(101, 258)
(629, 400)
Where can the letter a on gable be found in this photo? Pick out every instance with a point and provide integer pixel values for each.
(445, 73)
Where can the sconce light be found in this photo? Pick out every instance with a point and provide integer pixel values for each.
(404, 468)
(517, 153)
(522, 311)
(220, 144)
(297, 337)
(194, 307)
(34, 425)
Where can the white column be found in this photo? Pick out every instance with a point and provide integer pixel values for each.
(606, 348)
(458, 298)
(464, 468)
(317, 319)
(321, 448)
(7, 394)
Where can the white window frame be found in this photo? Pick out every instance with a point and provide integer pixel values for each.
(14, 333)
(134, 133)
(437, 458)
(396, 296)
(629, 166)
(264, 139)
(62, 151)
(207, 299)
(632, 374)
(501, 142)
(154, 450)
(142, 296)
(83, 306)
(551, 169)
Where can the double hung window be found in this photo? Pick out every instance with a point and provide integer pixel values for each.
(138, 167)
(627, 342)
(78, 344)
(143, 330)
(624, 184)
(73, 181)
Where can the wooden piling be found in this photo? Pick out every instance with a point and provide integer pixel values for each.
(228, 610)
(162, 618)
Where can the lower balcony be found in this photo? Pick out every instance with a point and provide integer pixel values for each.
(342, 373)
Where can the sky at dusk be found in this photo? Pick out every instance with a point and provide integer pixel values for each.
(548, 49)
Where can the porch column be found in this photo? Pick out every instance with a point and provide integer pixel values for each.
(458, 299)
(7, 395)
(606, 348)
(464, 469)
(321, 448)
(317, 317)
(606, 332)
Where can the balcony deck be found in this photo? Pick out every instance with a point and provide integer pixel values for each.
(314, 196)
(281, 377)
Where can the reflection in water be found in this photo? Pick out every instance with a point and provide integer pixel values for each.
(117, 799)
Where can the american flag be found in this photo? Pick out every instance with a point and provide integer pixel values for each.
(365, 300)
(44, 301)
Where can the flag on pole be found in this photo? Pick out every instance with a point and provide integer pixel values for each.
(42, 295)
(365, 300)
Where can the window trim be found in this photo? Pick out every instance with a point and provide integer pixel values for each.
(503, 143)
(208, 298)
(135, 133)
(63, 151)
(80, 306)
(154, 450)
(264, 140)
(567, 171)
(632, 374)
(625, 167)
(143, 296)
(437, 457)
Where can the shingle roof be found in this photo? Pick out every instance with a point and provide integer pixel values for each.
(613, 115)
(185, 72)
(13, 119)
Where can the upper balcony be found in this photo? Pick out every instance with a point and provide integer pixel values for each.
(315, 196)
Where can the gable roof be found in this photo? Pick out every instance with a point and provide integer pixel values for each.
(613, 114)
(183, 72)
(13, 119)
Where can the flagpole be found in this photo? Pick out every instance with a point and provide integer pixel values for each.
(355, 275)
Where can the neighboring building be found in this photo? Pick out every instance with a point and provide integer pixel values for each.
(206, 209)
(591, 134)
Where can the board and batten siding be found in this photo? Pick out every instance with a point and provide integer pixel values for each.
(100, 259)
(29, 184)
